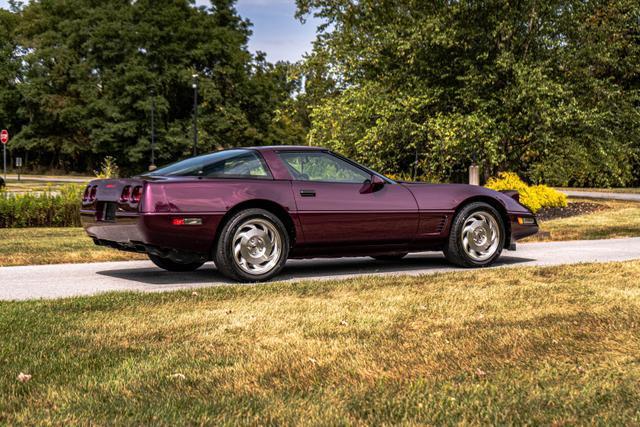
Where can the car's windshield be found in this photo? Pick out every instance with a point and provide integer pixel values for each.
(228, 163)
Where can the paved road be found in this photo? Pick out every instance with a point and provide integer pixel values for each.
(603, 195)
(55, 281)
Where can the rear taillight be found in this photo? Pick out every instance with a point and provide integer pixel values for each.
(85, 196)
(92, 193)
(126, 194)
(136, 194)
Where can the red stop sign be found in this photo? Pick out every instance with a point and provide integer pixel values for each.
(4, 136)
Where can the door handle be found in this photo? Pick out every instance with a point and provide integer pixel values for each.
(308, 193)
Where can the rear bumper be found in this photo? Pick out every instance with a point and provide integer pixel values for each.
(179, 256)
(153, 233)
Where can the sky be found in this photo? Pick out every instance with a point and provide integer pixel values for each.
(275, 30)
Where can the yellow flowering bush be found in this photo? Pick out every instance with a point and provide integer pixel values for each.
(534, 197)
(402, 176)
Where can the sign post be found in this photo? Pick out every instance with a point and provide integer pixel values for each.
(19, 166)
(4, 138)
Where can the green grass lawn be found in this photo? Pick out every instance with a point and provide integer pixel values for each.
(13, 185)
(50, 176)
(40, 183)
(43, 183)
(619, 219)
(22, 246)
(556, 345)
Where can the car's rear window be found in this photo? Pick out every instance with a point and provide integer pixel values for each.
(222, 164)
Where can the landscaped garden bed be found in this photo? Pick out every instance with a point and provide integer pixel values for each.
(572, 209)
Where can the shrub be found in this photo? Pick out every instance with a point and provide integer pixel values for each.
(534, 197)
(108, 169)
(400, 176)
(46, 209)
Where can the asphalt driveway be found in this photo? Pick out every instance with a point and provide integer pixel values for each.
(64, 280)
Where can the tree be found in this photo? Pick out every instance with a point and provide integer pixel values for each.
(10, 99)
(90, 70)
(516, 86)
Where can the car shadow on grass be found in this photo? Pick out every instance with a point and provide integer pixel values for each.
(324, 268)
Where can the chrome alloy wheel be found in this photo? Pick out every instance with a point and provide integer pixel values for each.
(257, 246)
(481, 236)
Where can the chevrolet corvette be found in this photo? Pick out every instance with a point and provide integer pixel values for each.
(250, 209)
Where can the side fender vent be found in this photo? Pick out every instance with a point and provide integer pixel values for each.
(441, 224)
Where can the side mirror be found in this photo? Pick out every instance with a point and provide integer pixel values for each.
(372, 185)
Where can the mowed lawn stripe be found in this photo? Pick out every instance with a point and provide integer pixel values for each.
(34, 246)
(536, 345)
(617, 220)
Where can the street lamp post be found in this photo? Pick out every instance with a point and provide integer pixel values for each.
(195, 114)
(153, 130)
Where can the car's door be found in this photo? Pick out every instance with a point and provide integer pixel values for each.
(333, 210)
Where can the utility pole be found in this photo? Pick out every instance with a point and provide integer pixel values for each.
(153, 131)
(195, 114)
(415, 164)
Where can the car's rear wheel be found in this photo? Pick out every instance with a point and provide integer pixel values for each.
(390, 257)
(253, 246)
(477, 236)
(169, 265)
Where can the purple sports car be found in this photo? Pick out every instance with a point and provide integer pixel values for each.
(251, 209)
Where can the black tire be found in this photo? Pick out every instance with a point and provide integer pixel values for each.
(224, 255)
(167, 264)
(454, 249)
(390, 257)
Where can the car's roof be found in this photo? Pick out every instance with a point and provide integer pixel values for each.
(287, 148)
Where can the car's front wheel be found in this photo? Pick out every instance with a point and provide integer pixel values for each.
(167, 264)
(253, 246)
(477, 236)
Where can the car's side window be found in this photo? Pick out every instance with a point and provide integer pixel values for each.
(248, 164)
(238, 163)
(321, 166)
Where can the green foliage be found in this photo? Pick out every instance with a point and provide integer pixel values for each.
(10, 98)
(534, 197)
(547, 88)
(78, 79)
(46, 209)
(108, 168)
(384, 129)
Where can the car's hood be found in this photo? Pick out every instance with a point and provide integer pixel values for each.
(450, 196)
